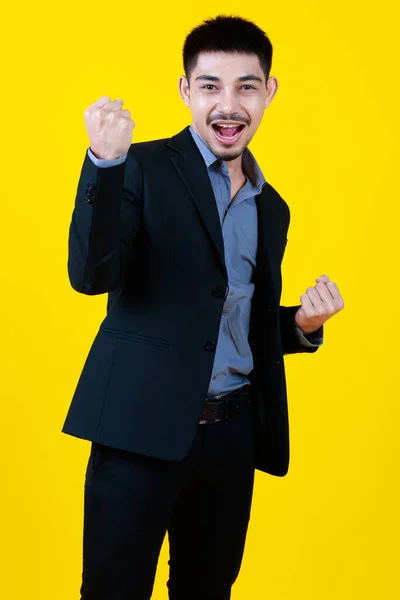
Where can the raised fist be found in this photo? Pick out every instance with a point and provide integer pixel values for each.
(109, 128)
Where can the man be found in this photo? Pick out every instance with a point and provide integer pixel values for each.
(183, 392)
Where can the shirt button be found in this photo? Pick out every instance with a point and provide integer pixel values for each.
(209, 346)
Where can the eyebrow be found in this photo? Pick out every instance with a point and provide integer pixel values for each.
(242, 78)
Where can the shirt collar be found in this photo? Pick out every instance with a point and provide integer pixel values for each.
(250, 165)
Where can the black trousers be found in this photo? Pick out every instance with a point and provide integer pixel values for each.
(202, 501)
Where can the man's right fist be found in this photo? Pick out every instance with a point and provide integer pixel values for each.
(109, 128)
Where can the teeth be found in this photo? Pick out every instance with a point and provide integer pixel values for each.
(220, 125)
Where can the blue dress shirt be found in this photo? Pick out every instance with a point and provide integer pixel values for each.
(233, 357)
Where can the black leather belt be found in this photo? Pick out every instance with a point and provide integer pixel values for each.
(220, 408)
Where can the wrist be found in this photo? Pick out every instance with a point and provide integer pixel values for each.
(102, 157)
(303, 331)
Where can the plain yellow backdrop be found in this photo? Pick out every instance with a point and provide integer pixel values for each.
(329, 144)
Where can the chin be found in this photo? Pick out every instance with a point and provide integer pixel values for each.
(228, 154)
(231, 154)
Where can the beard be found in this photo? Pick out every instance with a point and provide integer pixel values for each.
(227, 154)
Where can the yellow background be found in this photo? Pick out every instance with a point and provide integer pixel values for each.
(329, 144)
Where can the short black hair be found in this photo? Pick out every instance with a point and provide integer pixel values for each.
(227, 33)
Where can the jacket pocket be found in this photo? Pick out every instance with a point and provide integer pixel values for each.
(120, 334)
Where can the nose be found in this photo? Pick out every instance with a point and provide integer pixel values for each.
(227, 102)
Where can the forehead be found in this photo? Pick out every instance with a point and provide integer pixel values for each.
(227, 65)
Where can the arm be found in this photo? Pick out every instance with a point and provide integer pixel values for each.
(105, 222)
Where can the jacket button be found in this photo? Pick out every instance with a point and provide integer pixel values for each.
(89, 192)
(89, 200)
(219, 292)
(91, 186)
(209, 346)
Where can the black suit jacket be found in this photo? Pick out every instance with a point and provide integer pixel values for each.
(148, 233)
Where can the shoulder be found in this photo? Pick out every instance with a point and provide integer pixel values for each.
(150, 149)
(278, 203)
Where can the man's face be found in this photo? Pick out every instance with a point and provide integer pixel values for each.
(227, 89)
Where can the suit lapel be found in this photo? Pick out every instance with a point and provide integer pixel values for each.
(190, 165)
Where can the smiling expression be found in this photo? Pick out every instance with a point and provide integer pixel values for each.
(227, 89)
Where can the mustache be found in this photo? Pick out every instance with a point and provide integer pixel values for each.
(211, 120)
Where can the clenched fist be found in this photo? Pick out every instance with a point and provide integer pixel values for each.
(109, 128)
(318, 305)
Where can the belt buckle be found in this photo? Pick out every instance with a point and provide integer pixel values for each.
(208, 421)
(245, 390)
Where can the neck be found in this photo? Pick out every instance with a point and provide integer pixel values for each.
(235, 167)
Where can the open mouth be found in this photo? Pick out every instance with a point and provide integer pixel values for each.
(227, 134)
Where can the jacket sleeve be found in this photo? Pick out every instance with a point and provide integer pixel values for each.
(105, 222)
(291, 341)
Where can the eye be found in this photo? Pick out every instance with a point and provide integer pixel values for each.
(211, 85)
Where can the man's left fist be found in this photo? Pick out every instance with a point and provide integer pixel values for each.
(318, 305)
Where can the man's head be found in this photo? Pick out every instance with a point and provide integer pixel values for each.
(227, 61)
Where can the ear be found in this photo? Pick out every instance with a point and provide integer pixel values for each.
(184, 90)
(272, 88)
